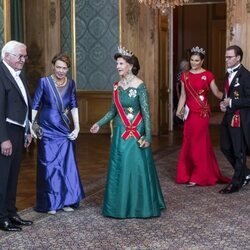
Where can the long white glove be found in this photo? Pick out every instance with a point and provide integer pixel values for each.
(74, 134)
(33, 117)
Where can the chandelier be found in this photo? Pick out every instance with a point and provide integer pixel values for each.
(164, 5)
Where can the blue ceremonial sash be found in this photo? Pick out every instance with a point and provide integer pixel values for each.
(59, 102)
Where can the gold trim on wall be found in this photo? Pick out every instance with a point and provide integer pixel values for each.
(120, 21)
(6, 7)
(73, 39)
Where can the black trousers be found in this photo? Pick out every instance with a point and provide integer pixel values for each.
(233, 147)
(9, 170)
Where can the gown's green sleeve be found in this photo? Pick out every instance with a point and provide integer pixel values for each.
(109, 115)
(144, 105)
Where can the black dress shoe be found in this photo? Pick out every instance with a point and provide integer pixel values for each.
(247, 180)
(16, 220)
(7, 226)
(229, 189)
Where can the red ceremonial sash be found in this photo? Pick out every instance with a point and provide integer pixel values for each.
(226, 87)
(130, 127)
(205, 110)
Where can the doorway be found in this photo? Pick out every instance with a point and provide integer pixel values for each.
(203, 24)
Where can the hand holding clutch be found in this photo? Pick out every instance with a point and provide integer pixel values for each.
(36, 130)
(143, 143)
(183, 113)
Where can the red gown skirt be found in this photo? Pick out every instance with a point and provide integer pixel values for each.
(197, 162)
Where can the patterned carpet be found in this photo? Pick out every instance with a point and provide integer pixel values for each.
(196, 218)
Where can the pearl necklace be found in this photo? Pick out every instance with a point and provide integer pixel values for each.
(60, 85)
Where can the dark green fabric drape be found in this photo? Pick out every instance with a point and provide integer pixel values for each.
(17, 20)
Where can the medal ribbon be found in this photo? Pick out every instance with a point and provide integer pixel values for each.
(130, 129)
(235, 123)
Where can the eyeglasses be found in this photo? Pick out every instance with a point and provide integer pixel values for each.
(229, 57)
(20, 57)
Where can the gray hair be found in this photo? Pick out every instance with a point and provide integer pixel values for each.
(10, 47)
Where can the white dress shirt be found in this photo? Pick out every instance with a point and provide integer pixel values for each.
(19, 82)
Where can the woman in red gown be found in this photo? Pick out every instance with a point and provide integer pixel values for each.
(197, 164)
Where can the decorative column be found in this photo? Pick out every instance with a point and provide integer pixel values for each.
(238, 26)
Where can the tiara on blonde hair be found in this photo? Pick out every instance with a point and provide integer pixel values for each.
(123, 51)
(198, 50)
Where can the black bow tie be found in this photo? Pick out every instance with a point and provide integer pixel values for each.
(230, 71)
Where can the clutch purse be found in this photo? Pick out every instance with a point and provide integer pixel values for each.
(141, 141)
(184, 112)
(37, 130)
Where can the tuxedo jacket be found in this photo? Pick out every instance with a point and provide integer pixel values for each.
(239, 92)
(12, 103)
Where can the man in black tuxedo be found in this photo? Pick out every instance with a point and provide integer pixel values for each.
(15, 113)
(235, 127)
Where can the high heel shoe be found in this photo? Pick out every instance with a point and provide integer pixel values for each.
(191, 184)
(51, 212)
(68, 209)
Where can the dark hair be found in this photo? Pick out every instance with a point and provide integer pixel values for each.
(133, 60)
(62, 57)
(201, 55)
(237, 50)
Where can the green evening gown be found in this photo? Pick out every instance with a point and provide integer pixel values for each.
(132, 188)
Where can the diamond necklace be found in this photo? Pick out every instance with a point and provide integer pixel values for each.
(126, 80)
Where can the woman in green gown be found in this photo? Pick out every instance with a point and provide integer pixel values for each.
(132, 188)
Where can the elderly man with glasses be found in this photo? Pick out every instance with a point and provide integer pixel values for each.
(15, 113)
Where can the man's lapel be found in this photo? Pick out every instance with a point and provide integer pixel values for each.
(11, 78)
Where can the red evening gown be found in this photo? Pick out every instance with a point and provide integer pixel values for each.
(197, 162)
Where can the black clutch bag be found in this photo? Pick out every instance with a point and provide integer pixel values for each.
(37, 130)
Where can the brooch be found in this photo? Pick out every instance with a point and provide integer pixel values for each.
(237, 82)
(200, 93)
(204, 78)
(236, 94)
(130, 115)
(132, 93)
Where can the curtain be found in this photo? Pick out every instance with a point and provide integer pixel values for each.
(17, 20)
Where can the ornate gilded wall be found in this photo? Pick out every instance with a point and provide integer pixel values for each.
(97, 36)
(1, 24)
(238, 26)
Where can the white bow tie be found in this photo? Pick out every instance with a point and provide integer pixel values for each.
(230, 71)
(18, 72)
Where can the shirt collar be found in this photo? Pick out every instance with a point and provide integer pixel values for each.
(13, 72)
(234, 69)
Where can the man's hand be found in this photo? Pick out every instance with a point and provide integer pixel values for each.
(223, 108)
(226, 102)
(6, 148)
(27, 140)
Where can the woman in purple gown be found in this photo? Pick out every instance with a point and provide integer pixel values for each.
(58, 181)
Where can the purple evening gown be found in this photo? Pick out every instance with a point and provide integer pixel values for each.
(58, 180)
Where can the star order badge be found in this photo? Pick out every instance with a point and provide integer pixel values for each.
(236, 94)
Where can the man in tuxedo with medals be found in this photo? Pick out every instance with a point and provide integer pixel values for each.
(235, 126)
(15, 113)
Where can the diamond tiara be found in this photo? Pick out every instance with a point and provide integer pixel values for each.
(124, 51)
(198, 50)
